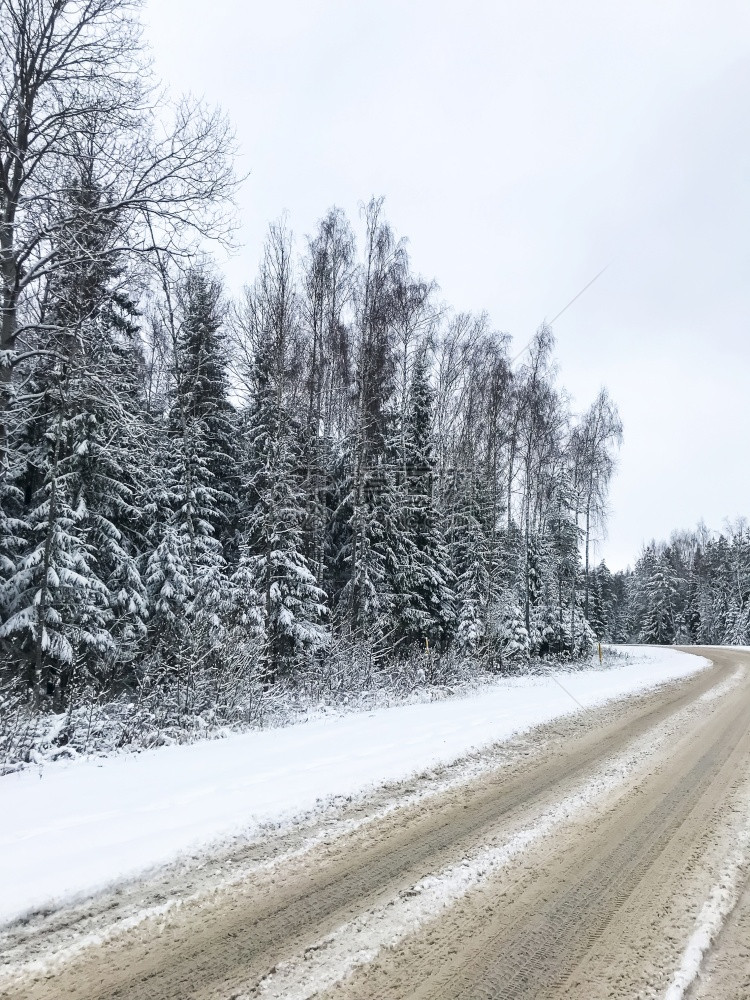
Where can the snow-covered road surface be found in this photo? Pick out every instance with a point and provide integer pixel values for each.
(597, 856)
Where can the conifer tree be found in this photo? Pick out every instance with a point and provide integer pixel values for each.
(509, 638)
(367, 595)
(291, 605)
(202, 411)
(660, 621)
(78, 567)
(367, 547)
(470, 563)
(170, 584)
(601, 601)
(57, 612)
(426, 612)
(201, 452)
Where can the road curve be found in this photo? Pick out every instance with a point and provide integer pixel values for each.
(606, 833)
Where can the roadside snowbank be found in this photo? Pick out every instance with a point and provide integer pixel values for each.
(69, 831)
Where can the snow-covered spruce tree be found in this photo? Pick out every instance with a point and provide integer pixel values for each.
(426, 583)
(509, 642)
(226, 644)
(185, 627)
(13, 532)
(188, 501)
(207, 631)
(534, 591)
(291, 605)
(184, 560)
(601, 601)
(660, 621)
(194, 453)
(76, 598)
(241, 616)
(737, 628)
(369, 555)
(202, 415)
(563, 556)
(56, 604)
(362, 579)
(327, 289)
(469, 560)
(169, 580)
(367, 534)
(109, 450)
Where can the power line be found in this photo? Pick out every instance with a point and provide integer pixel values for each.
(565, 309)
(560, 685)
(584, 289)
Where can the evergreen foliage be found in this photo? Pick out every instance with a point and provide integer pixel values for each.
(331, 469)
(291, 606)
(694, 589)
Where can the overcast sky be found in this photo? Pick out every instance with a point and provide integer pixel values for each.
(521, 147)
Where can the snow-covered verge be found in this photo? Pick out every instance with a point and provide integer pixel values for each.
(209, 707)
(85, 824)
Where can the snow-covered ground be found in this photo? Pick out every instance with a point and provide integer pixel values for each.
(70, 830)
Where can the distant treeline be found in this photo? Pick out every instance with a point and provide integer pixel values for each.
(694, 589)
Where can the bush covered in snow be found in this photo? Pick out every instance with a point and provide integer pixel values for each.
(202, 703)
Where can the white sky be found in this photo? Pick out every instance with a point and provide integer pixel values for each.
(522, 145)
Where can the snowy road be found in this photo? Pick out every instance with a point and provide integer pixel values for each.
(598, 855)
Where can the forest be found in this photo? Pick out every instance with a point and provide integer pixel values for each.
(692, 590)
(325, 483)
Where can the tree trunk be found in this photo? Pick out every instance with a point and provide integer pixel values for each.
(586, 584)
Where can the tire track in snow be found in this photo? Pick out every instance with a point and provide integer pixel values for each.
(210, 950)
(720, 903)
(358, 942)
